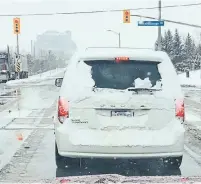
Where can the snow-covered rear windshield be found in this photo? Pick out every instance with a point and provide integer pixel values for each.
(132, 73)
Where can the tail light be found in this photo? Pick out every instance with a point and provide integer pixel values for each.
(180, 110)
(63, 111)
(4, 67)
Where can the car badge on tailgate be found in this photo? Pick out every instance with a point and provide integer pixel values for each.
(78, 121)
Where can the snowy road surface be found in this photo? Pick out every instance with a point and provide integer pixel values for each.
(27, 141)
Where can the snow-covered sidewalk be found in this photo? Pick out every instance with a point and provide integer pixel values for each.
(193, 81)
(38, 79)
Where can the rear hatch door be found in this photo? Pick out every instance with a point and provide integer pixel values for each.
(124, 93)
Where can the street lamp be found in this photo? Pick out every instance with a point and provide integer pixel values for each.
(119, 35)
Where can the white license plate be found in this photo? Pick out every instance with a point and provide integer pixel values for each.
(122, 113)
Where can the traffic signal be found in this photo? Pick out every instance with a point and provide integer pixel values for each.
(126, 16)
(16, 24)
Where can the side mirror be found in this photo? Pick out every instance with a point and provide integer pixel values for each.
(58, 82)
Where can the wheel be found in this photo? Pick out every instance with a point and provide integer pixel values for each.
(173, 162)
(65, 162)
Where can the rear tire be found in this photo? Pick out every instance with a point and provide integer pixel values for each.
(65, 162)
(173, 162)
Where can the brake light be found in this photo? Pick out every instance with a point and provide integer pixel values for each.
(180, 110)
(119, 59)
(4, 67)
(63, 111)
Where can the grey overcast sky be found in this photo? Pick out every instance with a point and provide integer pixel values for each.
(90, 29)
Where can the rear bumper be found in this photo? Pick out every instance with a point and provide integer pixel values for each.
(168, 143)
(3, 76)
(113, 155)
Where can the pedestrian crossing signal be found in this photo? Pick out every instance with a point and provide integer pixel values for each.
(16, 25)
(126, 16)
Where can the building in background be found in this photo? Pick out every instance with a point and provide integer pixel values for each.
(50, 50)
(61, 44)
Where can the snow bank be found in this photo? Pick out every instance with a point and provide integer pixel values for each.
(38, 79)
(193, 81)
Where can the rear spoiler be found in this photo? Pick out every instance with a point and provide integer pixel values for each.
(118, 48)
(112, 59)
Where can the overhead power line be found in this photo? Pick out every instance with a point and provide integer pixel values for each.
(97, 11)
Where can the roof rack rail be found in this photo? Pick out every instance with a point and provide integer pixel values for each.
(119, 48)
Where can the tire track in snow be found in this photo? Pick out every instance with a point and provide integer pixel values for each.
(193, 139)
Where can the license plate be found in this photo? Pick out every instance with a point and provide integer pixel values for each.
(122, 113)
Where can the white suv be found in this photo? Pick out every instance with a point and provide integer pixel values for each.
(119, 103)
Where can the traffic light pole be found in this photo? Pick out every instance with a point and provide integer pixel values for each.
(159, 27)
(18, 54)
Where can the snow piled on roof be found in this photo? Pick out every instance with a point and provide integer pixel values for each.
(194, 80)
(39, 79)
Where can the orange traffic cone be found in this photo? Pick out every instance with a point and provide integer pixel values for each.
(19, 137)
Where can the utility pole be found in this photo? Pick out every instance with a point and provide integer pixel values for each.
(200, 58)
(119, 39)
(16, 29)
(159, 27)
(31, 47)
(34, 50)
(18, 53)
(18, 50)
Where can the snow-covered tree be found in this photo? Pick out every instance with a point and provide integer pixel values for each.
(168, 43)
(185, 54)
(178, 51)
(189, 53)
(30, 63)
(162, 44)
(193, 56)
(198, 57)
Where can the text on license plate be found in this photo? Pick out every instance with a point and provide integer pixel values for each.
(122, 113)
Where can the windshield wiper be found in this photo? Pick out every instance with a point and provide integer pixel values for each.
(143, 89)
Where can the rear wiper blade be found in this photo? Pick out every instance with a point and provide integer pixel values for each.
(143, 89)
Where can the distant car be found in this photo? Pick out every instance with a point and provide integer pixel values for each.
(119, 103)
